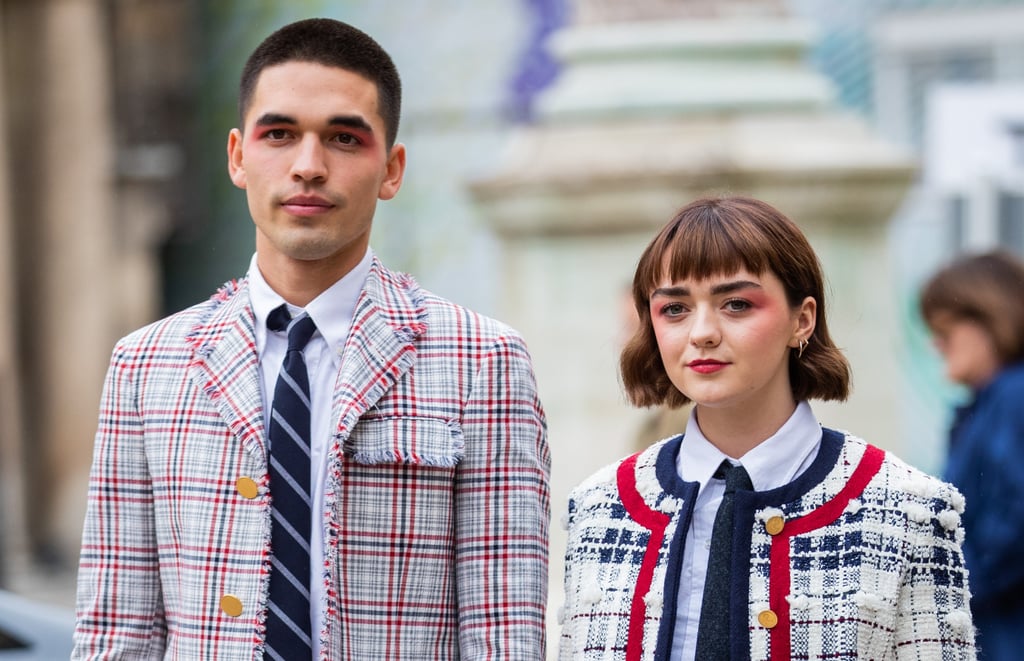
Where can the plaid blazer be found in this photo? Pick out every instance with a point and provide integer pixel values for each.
(858, 558)
(437, 501)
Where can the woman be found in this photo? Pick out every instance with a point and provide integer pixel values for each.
(756, 534)
(975, 310)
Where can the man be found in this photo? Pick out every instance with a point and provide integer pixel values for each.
(374, 489)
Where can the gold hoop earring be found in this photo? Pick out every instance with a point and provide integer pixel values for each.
(800, 349)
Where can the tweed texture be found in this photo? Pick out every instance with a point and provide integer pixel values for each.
(868, 565)
(436, 509)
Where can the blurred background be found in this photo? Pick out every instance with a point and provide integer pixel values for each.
(548, 141)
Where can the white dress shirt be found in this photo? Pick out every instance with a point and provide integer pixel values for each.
(776, 461)
(332, 313)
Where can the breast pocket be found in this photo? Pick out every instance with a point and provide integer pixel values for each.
(410, 440)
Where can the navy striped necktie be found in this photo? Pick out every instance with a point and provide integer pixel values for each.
(714, 631)
(289, 630)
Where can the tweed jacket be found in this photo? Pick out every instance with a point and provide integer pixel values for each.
(857, 558)
(436, 506)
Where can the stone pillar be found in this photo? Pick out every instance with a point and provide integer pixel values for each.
(652, 109)
(62, 202)
(12, 501)
(98, 103)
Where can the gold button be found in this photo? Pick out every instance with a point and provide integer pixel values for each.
(231, 605)
(767, 619)
(774, 525)
(247, 487)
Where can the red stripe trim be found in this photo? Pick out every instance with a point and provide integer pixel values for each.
(656, 522)
(779, 571)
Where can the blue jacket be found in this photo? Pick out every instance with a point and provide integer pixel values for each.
(985, 458)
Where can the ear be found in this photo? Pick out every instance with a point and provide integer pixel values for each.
(236, 168)
(394, 171)
(806, 318)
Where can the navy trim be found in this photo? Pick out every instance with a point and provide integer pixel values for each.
(673, 570)
(665, 466)
(828, 455)
(672, 484)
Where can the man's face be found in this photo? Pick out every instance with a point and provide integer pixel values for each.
(313, 161)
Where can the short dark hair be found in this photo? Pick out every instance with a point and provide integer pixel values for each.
(713, 236)
(986, 288)
(334, 44)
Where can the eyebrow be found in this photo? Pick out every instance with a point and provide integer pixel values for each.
(271, 118)
(350, 121)
(723, 288)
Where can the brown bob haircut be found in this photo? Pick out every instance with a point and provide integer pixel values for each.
(988, 289)
(720, 236)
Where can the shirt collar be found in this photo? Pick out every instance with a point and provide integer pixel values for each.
(774, 462)
(332, 310)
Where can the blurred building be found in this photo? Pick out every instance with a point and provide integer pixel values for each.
(945, 79)
(115, 208)
(95, 120)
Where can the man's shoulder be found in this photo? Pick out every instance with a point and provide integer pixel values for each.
(445, 313)
(400, 294)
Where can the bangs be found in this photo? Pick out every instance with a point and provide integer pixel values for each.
(704, 244)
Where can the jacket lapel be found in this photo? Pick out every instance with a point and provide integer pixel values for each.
(389, 315)
(388, 318)
(225, 365)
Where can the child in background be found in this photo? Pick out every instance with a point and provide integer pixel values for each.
(975, 309)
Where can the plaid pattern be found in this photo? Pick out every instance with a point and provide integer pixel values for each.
(867, 566)
(437, 503)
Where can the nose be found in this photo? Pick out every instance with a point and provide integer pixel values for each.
(704, 331)
(309, 164)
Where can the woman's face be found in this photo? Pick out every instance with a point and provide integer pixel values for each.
(725, 340)
(968, 350)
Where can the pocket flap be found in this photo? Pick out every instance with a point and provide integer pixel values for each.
(406, 440)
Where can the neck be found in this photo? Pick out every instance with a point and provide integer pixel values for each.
(737, 433)
(299, 282)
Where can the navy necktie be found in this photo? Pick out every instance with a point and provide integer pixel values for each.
(289, 631)
(714, 631)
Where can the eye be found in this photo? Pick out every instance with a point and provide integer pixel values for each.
(673, 309)
(737, 305)
(276, 134)
(347, 139)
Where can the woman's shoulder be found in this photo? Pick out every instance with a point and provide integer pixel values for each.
(604, 482)
(898, 484)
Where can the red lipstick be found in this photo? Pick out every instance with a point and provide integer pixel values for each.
(706, 366)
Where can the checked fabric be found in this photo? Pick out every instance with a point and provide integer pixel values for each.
(713, 632)
(289, 629)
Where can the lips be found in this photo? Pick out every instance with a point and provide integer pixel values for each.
(706, 366)
(306, 204)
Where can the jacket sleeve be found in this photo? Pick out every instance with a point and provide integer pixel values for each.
(502, 511)
(119, 604)
(571, 584)
(933, 618)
